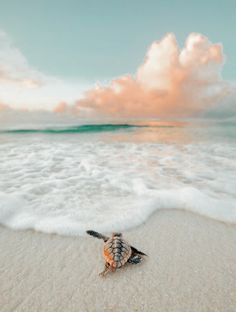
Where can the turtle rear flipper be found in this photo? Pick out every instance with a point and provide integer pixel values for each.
(97, 235)
(135, 259)
(137, 252)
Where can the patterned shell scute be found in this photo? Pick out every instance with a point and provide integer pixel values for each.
(116, 252)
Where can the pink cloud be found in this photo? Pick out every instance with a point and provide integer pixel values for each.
(60, 107)
(3, 106)
(170, 83)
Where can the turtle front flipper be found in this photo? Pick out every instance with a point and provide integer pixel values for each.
(107, 268)
(136, 256)
(97, 235)
(137, 252)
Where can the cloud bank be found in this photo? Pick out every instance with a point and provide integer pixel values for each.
(170, 83)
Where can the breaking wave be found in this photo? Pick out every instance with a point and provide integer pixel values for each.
(76, 129)
(88, 128)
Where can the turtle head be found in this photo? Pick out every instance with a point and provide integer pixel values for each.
(116, 235)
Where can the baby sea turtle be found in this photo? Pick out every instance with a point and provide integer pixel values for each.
(117, 252)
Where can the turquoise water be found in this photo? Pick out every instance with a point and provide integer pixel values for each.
(75, 129)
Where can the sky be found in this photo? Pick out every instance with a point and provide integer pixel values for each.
(98, 40)
(147, 58)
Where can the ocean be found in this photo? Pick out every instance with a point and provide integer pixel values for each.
(66, 179)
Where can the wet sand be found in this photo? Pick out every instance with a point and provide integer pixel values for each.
(191, 267)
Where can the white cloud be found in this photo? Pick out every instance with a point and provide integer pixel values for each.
(24, 87)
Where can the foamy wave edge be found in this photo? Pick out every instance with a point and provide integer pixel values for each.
(14, 214)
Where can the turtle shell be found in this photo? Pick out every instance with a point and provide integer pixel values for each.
(116, 252)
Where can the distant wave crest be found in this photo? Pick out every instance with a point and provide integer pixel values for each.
(88, 128)
(75, 129)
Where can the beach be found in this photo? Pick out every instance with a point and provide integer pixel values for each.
(168, 187)
(190, 267)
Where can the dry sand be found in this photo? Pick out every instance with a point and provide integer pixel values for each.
(191, 267)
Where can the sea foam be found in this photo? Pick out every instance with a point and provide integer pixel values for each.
(67, 183)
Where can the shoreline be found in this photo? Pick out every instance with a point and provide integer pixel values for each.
(190, 267)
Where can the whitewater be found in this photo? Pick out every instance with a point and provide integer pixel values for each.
(67, 179)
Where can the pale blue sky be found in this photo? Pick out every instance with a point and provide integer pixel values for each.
(102, 39)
